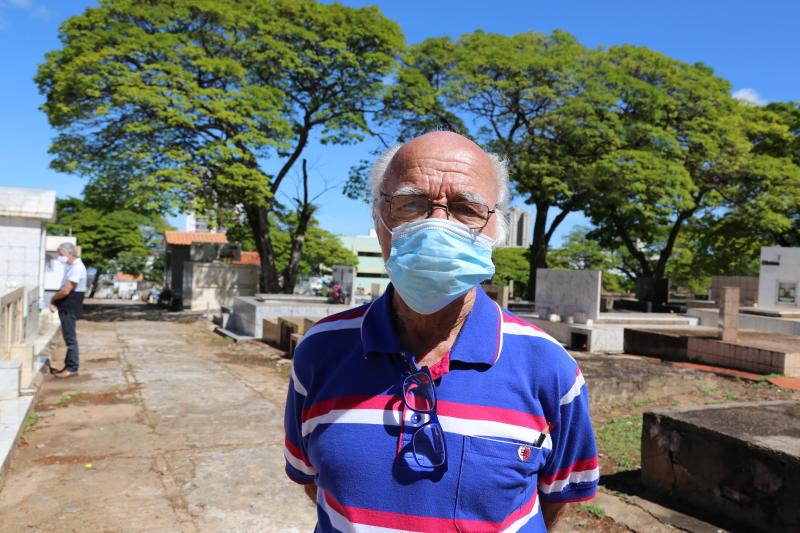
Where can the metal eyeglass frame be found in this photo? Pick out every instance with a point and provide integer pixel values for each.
(431, 205)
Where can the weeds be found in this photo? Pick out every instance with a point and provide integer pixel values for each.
(594, 510)
(33, 417)
(620, 439)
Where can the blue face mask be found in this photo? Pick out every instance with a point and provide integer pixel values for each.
(434, 261)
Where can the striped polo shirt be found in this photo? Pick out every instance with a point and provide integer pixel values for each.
(503, 382)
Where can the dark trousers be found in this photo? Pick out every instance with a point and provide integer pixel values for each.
(68, 319)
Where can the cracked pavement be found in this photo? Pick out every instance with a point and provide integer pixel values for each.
(167, 428)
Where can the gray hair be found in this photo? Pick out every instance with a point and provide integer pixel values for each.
(68, 248)
(377, 175)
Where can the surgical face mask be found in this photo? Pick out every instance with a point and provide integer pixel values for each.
(434, 261)
(62, 259)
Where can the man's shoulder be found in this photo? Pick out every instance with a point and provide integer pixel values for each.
(533, 344)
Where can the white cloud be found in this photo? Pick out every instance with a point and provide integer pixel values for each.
(20, 3)
(749, 95)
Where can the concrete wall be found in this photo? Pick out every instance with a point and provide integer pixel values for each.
(249, 313)
(12, 320)
(748, 288)
(212, 285)
(22, 243)
(778, 265)
(568, 292)
(739, 462)
(710, 318)
(749, 358)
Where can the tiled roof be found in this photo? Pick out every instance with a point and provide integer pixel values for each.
(27, 203)
(248, 258)
(186, 238)
(122, 276)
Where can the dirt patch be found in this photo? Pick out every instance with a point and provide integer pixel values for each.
(256, 354)
(104, 360)
(70, 459)
(587, 517)
(126, 395)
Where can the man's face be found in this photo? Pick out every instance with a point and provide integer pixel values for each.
(444, 167)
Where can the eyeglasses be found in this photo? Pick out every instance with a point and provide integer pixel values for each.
(427, 442)
(411, 207)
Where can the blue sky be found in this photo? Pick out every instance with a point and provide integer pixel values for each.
(755, 45)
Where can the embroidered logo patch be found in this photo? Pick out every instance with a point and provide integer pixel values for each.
(524, 452)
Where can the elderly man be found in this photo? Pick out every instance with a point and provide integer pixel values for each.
(69, 303)
(433, 409)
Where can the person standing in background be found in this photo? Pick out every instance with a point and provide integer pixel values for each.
(68, 301)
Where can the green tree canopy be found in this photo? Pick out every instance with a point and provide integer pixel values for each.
(512, 264)
(109, 240)
(684, 152)
(188, 103)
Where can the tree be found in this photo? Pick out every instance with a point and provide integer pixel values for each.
(532, 98)
(512, 264)
(321, 249)
(187, 102)
(684, 152)
(106, 238)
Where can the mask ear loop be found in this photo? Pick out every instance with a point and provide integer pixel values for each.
(384, 225)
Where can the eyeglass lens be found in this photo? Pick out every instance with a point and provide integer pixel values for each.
(419, 394)
(407, 208)
(428, 444)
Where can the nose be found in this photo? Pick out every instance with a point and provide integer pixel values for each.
(439, 211)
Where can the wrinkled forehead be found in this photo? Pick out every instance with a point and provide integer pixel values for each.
(439, 169)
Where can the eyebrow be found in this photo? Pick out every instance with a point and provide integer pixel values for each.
(465, 195)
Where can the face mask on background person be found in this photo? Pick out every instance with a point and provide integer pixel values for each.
(62, 259)
(434, 261)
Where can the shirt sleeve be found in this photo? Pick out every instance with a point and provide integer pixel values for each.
(74, 275)
(298, 466)
(571, 473)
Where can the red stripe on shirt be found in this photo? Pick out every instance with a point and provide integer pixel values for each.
(563, 473)
(297, 452)
(516, 320)
(407, 522)
(384, 402)
(443, 408)
(344, 315)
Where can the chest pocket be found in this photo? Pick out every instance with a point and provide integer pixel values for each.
(497, 482)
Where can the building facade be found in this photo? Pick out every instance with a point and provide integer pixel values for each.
(519, 229)
(371, 276)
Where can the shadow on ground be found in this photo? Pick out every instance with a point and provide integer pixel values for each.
(628, 483)
(118, 311)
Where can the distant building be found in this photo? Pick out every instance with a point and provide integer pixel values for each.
(519, 229)
(126, 285)
(196, 276)
(779, 278)
(370, 270)
(200, 223)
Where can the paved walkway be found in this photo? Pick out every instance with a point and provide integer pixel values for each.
(168, 428)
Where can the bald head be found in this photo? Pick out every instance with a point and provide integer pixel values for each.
(443, 166)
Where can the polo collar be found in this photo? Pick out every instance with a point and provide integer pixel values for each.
(479, 342)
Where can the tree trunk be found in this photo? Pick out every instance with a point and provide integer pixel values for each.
(95, 282)
(258, 220)
(304, 212)
(538, 248)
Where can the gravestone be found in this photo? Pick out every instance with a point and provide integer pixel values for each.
(729, 314)
(654, 291)
(568, 293)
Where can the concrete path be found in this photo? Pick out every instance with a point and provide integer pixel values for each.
(168, 428)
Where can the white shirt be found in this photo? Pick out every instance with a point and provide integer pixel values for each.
(76, 273)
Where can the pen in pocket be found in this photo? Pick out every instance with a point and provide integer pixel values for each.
(542, 436)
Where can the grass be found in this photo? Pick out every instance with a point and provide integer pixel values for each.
(621, 440)
(65, 398)
(594, 510)
(33, 417)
